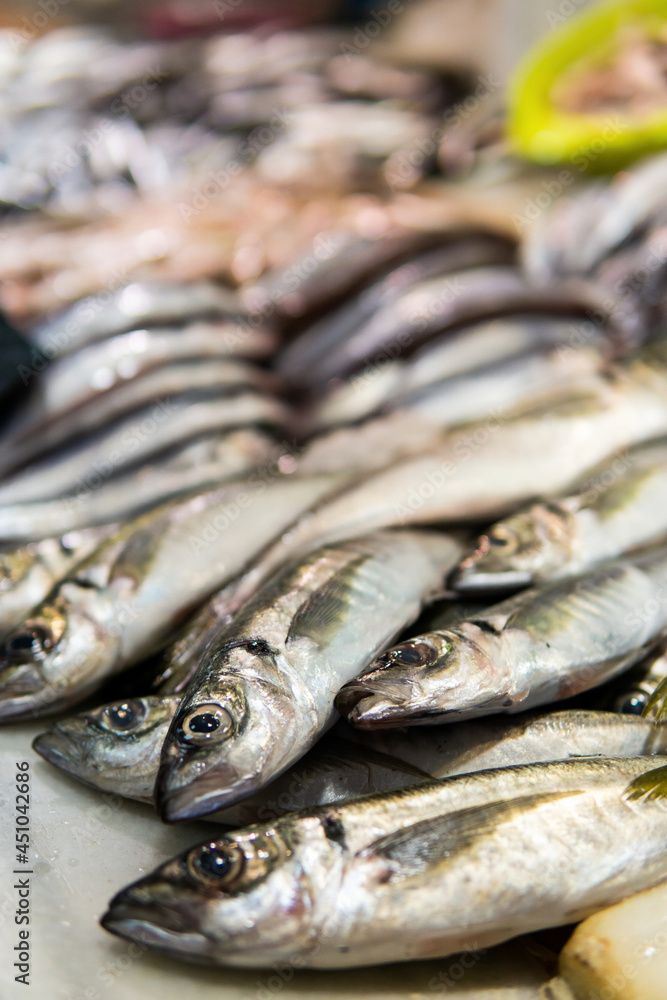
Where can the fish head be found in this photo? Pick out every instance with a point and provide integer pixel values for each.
(518, 550)
(115, 747)
(55, 657)
(426, 679)
(245, 898)
(230, 737)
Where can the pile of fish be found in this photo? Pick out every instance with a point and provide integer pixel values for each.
(434, 504)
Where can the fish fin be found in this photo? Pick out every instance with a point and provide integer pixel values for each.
(319, 616)
(648, 787)
(413, 850)
(137, 555)
(656, 706)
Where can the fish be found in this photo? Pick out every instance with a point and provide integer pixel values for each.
(263, 693)
(459, 353)
(197, 465)
(138, 437)
(314, 277)
(618, 507)
(504, 386)
(116, 748)
(511, 850)
(129, 597)
(431, 306)
(141, 303)
(321, 337)
(75, 395)
(472, 474)
(544, 644)
(580, 233)
(28, 572)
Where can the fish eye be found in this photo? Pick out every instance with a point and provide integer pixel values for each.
(500, 536)
(217, 864)
(258, 647)
(631, 703)
(29, 643)
(123, 716)
(207, 723)
(415, 653)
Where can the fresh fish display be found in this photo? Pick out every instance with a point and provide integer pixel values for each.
(127, 598)
(264, 690)
(139, 437)
(331, 404)
(116, 748)
(206, 461)
(512, 850)
(620, 506)
(544, 644)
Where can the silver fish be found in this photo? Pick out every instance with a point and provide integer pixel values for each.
(467, 477)
(126, 599)
(511, 850)
(519, 382)
(79, 395)
(620, 506)
(264, 691)
(582, 232)
(544, 644)
(139, 304)
(201, 464)
(321, 337)
(430, 307)
(460, 353)
(136, 438)
(116, 748)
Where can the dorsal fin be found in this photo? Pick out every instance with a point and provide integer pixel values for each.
(648, 787)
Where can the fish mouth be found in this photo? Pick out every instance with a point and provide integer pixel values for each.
(213, 789)
(153, 926)
(367, 707)
(58, 748)
(22, 706)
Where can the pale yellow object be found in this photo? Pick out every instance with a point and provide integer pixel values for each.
(621, 952)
